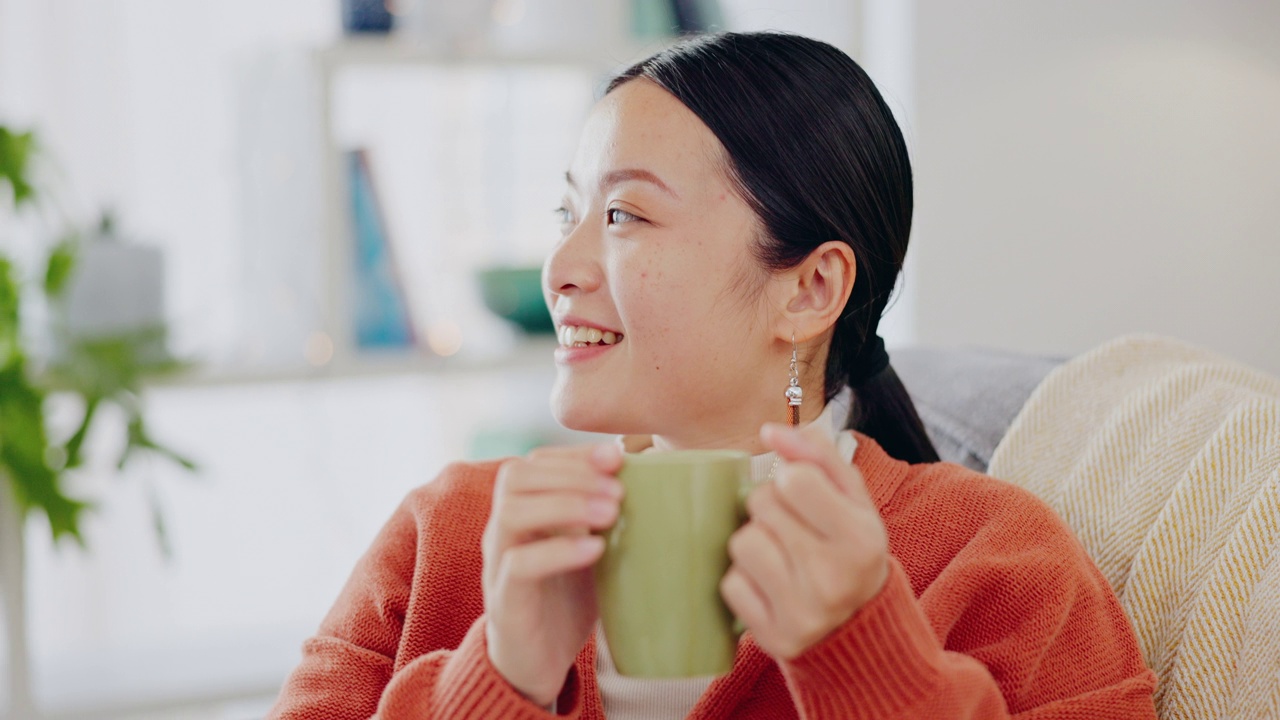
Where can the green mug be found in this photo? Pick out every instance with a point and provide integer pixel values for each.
(658, 582)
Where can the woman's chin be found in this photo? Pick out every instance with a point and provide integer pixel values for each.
(584, 416)
(579, 419)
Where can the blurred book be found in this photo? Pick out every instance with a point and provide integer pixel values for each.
(380, 309)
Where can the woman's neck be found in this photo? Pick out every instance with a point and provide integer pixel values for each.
(741, 437)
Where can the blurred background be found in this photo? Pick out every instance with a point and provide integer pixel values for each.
(332, 209)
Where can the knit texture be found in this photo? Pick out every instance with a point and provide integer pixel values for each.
(1165, 459)
(631, 698)
(992, 609)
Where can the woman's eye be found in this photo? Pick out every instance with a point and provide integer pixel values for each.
(566, 217)
(615, 215)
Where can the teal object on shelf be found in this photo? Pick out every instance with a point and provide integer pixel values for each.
(653, 19)
(516, 295)
(380, 311)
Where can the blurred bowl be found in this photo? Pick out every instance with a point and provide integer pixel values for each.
(515, 293)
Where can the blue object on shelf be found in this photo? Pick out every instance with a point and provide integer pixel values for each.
(697, 16)
(366, 16)
(381, 309)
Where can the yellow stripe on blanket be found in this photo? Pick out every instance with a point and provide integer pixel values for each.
(1165, 460)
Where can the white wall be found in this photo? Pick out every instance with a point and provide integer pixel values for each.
(1093, 168)
(886, 51)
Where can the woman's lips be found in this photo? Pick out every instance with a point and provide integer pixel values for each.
(568, 355)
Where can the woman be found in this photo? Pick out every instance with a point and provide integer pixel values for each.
(734, 203)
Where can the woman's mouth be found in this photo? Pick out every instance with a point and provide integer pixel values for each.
(579, 343)
(581, 336)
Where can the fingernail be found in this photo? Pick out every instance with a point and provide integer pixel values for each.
(611, 487)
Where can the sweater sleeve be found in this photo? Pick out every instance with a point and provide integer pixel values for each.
(348, 669)
(1009, 629)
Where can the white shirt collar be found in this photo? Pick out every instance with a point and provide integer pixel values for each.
(832, 417)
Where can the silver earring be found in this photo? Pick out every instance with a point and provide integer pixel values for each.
(795, 393)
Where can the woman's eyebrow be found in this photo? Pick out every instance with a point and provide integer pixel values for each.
(613, 177)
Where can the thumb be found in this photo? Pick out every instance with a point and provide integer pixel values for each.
(811, 444)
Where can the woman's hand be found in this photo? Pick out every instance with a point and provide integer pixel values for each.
(814, 551)
(539, 592)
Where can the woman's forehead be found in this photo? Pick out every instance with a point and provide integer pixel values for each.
(641, 126)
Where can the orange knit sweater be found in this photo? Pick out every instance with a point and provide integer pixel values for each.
(992, 609)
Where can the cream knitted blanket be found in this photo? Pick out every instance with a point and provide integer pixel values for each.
(1165, 460)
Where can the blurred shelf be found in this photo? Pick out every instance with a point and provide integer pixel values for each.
(392, 50)
(382, 51)
(531, 354)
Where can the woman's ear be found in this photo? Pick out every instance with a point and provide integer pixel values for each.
(814, 293)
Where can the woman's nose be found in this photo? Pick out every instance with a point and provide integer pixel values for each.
(573, 266)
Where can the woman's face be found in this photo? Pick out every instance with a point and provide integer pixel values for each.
(656, 249)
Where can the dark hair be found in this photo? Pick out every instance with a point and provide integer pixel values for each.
(815, 151)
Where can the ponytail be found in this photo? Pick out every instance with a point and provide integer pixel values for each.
(883, 411)
(881, 408)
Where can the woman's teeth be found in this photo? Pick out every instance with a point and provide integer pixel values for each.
(574, 336)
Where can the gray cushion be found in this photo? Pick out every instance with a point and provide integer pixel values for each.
(968, 397)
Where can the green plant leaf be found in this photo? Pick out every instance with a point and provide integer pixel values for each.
(15, 152)
(10, 350)
(62, 261)
(74, 443)
(22, 454)
(112, 365)
(139, 439)
(99, 369)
